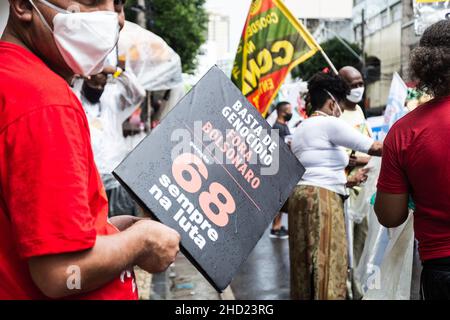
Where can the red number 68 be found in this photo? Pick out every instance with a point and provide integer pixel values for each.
(196, 169)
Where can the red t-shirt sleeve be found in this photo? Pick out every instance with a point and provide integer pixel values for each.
(392, 176)
(46, 188)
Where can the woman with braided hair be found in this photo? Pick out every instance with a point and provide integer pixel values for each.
(317, 238)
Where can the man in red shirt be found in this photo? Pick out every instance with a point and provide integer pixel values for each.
(416, 162)
(55, 239)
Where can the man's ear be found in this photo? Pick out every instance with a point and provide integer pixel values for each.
(21, 9)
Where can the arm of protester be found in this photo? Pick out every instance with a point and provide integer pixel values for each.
(361, 161)
(47, 194)
(391, 204)
(357, 179)
(352, 161)
(342, 134)
(149, 244)
(124, 222)
(376, 149)
(391, 209)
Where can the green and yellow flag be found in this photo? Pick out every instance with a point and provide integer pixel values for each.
(273, 43)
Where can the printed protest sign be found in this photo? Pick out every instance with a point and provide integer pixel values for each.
(214, 171)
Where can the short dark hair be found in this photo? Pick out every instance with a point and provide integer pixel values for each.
(280, 106)
(318, 86)
(430, 61)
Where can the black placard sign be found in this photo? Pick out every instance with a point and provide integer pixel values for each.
(214, 171)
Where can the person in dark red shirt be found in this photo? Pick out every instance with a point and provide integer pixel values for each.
(416, 163)
(55, 238)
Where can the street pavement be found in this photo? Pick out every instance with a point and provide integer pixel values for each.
(264, 276)
(266, 273)
(182, 281)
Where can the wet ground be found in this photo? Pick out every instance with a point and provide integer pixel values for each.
(265, 274)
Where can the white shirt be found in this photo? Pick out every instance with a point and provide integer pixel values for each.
(118, 102)
(357, 120)
(319, 144)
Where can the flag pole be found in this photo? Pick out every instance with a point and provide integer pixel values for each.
(328, 60)
(313, 40)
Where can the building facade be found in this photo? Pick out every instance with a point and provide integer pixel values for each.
(409, 38)
(377, 26)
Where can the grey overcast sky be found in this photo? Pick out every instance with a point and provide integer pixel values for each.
(237, 10)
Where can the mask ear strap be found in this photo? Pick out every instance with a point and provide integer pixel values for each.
(330, 95)
(41, 16)
(54, 7)
(334, 100)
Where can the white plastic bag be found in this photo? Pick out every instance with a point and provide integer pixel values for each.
(148, 56)
(367, 272)
(393, 280)
(356, 210)
(359, 207)
(119, 100)
(429, 12)
(385, 267)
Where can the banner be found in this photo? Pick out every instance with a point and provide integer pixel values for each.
(395, 108)
(379, 128)
(214, 171)
(273, 43)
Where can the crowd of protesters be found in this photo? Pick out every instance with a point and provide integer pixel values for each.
(415, 169)
(63, 99)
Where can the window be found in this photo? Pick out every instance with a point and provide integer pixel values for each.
(385, 18)
(374, 24)
(397, 12)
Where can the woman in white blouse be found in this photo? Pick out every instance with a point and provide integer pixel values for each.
(318, 243)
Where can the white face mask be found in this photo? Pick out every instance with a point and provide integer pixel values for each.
(356, 95)
(84, 39)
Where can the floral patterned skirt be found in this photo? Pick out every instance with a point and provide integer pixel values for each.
(317, 244)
